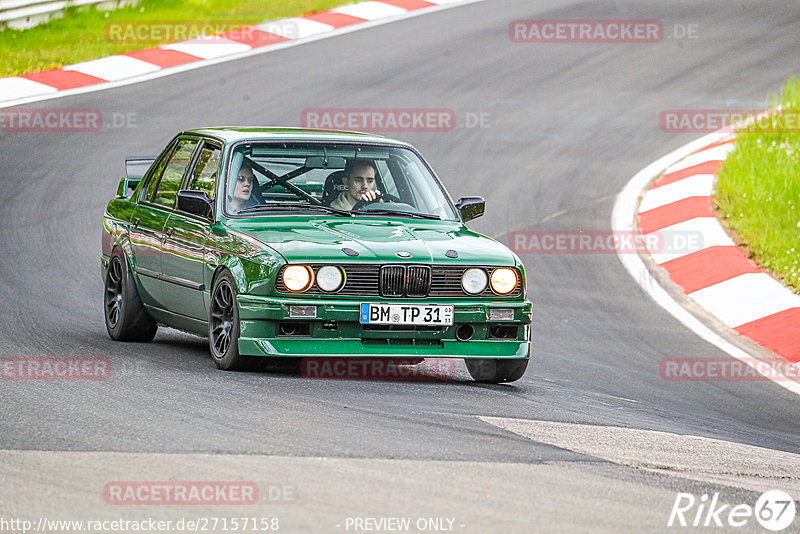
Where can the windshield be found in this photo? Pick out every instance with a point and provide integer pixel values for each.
(339, 179)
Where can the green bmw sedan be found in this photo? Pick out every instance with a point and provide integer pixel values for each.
(283, 242)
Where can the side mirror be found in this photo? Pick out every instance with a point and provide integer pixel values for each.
(471, 207)
(126, 186)
(196, 203)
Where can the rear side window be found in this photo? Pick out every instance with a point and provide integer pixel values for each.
(166, 193)
(204, 176)
(152, 182)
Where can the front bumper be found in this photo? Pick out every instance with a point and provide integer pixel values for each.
(336, 330)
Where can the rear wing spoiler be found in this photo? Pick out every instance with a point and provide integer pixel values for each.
(135, 169)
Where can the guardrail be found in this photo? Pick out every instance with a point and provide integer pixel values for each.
(22, 14)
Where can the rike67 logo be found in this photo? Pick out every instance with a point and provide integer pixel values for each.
(774, 510)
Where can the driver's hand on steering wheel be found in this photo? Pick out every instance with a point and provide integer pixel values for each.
(371, 196)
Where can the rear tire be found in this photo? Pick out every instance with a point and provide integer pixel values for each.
(125, 316)
(496, 371)
(223, 325)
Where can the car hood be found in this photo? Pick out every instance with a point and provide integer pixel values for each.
(376, 240)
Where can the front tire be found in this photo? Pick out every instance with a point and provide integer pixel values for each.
(496, 371)
(223, 325)
(125, 315)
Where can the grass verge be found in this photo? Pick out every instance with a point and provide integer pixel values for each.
(758, 189)
(82, 34)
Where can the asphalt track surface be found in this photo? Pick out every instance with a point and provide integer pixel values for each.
(569, 124)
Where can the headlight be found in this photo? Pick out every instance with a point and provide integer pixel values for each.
(504, 280)
(474, 281)
(330, 278)
(298, 277)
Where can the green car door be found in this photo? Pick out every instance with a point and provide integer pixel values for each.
(148, 225)
(186, 237)
(146, 231)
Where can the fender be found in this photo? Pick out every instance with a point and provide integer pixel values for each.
(234, 265)
(115, 235)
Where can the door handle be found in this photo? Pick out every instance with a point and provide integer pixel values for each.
(135, 221)
(168, 232)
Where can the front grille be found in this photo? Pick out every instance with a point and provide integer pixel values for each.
(418, 280)
(360, 280)
(395, 281)
(446, 282)
(405, 281)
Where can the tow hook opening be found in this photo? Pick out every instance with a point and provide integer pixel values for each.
(464, 332)
(294, 329)
(503, 331)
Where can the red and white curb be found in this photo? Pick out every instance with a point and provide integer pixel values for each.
(715, 273)
(141, 65)
(710, 269)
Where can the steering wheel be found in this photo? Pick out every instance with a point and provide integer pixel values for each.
(386, 197)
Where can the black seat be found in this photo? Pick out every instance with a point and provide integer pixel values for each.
(333, 186)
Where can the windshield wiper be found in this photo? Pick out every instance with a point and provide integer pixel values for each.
(396, 212)
(283, 206)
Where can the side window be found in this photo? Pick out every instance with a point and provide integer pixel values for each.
(166, 193)
(154, 176)
(204, 175)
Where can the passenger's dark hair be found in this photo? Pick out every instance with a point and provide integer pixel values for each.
(247, 165)
(353, 164)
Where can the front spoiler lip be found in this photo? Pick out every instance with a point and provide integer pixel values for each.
(353, 348)
(255, 309)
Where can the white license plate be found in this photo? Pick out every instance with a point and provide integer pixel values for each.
(410, 314)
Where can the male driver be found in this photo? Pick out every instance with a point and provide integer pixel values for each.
(359, 179)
